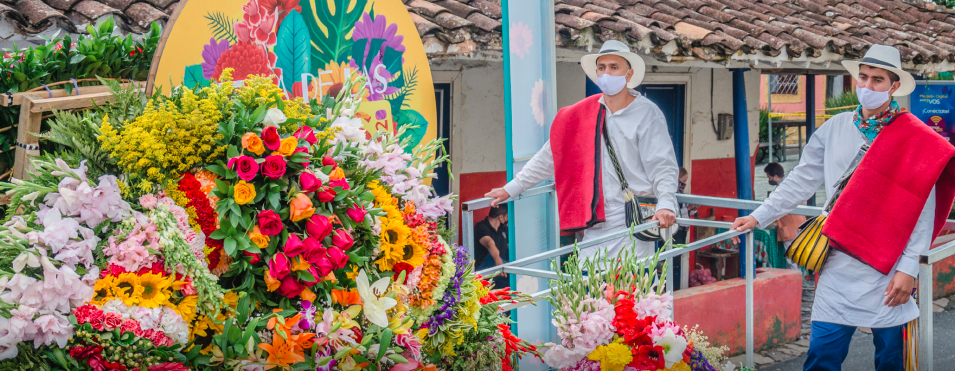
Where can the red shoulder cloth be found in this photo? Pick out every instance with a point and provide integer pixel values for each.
(575, 144)
(874, 217)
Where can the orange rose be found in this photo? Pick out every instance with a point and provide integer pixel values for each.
(307, 295)
(287, 146)
(253, 143)
(270, 283)
(338, 173)
(345, 298)
(299, 264)
(300, 207)
(259, 239)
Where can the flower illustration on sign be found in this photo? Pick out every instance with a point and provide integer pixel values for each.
(380, 64)
(521, 39)
(537, 102)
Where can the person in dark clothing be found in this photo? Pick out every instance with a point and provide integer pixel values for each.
(490, 241)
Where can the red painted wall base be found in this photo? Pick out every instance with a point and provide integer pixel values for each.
(720, 309)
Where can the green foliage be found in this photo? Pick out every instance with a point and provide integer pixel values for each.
(330, 46)
(848, 98)
(779, 133)
(292, 48)
(946, 3)
(221, 26)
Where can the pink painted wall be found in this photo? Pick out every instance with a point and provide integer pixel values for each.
(720, 309)
(801, 105)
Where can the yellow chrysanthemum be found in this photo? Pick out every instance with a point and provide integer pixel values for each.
(680, 366)
(103, 290)
(127, 288)
(187, 308)
(155, 290)
(612, 357)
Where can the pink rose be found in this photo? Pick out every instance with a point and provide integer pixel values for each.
(303, 150)
(245, 166)
(318, 226)
(337, 258)
(254, 257)
(326, 194)
(279, 266)
(328, 161)
(357, 213)
(314, 273)
(112, 320)
(314, 251)
(130, 326)
(342, 239)
(294, 246)
(324, 266)
(270, 224)
(274, 166)
(306, 133)
(290, 287)
(270, 136)
(308, 182)
(339, 183)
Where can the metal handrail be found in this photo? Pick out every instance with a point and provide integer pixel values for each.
(926, 344)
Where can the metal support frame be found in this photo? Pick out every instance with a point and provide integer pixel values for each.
(810, 118)
(926, 345)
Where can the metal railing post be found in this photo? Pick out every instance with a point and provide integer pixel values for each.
(925, 295)
(750, 239)
(467, 238)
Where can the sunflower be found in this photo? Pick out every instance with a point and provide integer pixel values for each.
(127, 288)
(187, 308)
(103, 290)
(413, 253)
(394, 237)
(201, 333)
(155, 290)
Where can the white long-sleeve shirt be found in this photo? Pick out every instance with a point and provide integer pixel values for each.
(849, 291)
(640, 137)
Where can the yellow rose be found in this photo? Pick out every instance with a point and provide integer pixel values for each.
(253, 143)
(259, 239)
(287, 146)
(243, 192)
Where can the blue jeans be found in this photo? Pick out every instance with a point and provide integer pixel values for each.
(829, 346)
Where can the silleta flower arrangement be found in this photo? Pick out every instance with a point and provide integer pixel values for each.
(612, 315)
(232, 228)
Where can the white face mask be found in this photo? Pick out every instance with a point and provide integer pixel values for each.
(610, 84)
(871, 99)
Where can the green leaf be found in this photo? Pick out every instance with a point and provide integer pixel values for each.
(218, 234)
(192, 78)
(305, 276)
(230, 244)
(258, 114)
(292, 48)
(221, 26)
(302, 366)
(232, 152)
(274, 199)
(397, 358)
(332, 43)
(216, 169)
(415, 127)
(385, 343)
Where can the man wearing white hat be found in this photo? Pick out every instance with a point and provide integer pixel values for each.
(883, 219)
(590, 191)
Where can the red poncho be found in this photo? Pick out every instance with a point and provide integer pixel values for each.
(575, 144)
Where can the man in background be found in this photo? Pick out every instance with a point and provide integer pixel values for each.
(490, 241)
(787, 226)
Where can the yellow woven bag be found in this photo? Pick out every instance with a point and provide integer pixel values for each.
(810, 248)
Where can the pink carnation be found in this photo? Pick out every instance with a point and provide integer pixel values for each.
(149, 201)
(130, 325)
(112, 320)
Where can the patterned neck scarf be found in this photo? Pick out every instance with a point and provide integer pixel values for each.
(870, 127)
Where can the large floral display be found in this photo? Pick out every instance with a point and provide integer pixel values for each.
(229, 228)
(612, 315)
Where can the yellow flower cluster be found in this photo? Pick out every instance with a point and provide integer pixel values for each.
(399, 243)
(170, 137)
(148, 290)
(612, 357)
(258, 90)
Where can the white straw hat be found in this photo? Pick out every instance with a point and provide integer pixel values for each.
(886, 58)
(614, 47)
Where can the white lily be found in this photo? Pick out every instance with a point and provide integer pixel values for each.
(374, 303)
(673, 347)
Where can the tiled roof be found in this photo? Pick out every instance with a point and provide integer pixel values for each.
(36, 16)
(709, 30)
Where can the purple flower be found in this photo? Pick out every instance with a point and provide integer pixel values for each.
(377, 90)
(699, 363)
(449, 309)
(210, 56)
(308, 315)
(323, 352)
(379, 29)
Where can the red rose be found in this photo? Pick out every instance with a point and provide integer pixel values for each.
(404, 267)
(245, 166)
(274, 166)
(339, 183)
(342, 239)
(308, 182)
(270, 136)
(326, 194)
(112, 320)
(270, 224)
(357, 213)
(306, 133)
(328, 161)
(314, 273)
(279, 266)
(290, 287)
(303, 150)
(314, 251)
(169, 366)
(337, 257)
(318, 226)
(130, 325)
(255, 257)
(293, 246)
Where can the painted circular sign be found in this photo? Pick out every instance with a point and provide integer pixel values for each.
(310, 47)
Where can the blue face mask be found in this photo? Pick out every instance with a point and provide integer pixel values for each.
(610, 84)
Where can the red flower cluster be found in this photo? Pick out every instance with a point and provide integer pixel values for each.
(93, 356)
(154, 268)
(109, 321)
(635, 332)
(512, 344)
(207, 216)
(497, 295)
(402, 267)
